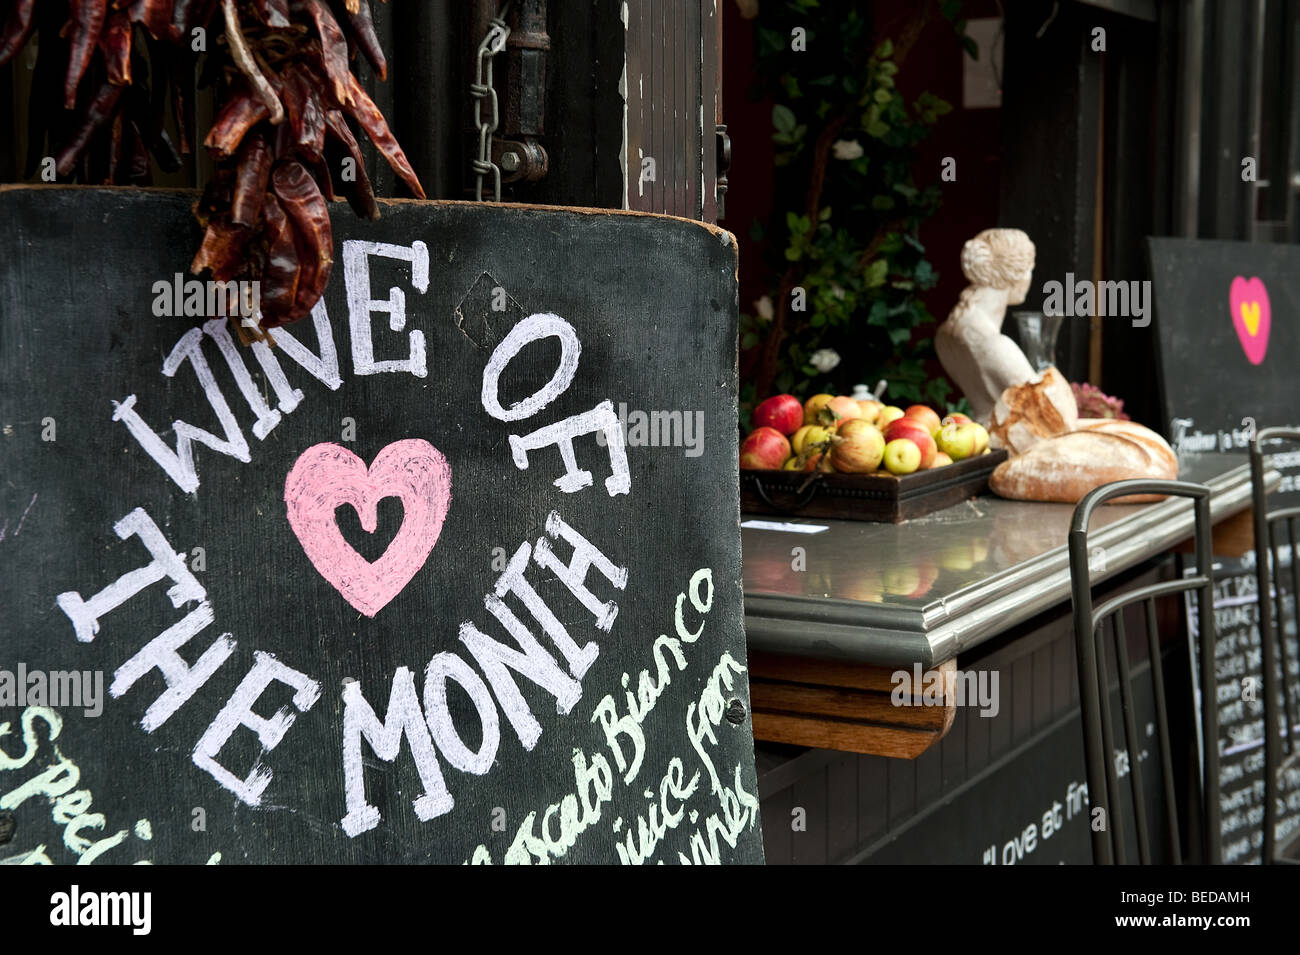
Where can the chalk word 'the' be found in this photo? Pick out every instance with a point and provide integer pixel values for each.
(967, 688)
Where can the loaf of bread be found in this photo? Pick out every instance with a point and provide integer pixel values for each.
(1066, 467)
(1033, 412)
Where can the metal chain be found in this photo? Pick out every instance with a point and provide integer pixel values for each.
(481, 89)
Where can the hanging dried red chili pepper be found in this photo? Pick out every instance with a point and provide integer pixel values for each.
(106, 70)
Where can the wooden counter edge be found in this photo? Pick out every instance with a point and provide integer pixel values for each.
(851, 707)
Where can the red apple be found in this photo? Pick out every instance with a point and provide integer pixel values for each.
(955, 418)
(870, 408)
(927, 416)
(859, 453)
(912, 430)
(782, 412)
(844, 409)
(765, 449)
(856, 426)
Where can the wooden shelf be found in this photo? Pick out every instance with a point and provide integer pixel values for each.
(845, 706)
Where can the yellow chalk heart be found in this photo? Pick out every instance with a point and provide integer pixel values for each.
(1250, 316)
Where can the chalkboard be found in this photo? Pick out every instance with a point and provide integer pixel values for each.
(1228, 351)
(1228, 345)
(1240, 701)
(451, 573)
(1031, 807)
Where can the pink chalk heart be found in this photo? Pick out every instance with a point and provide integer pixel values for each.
(327, 475)
(1251, 316)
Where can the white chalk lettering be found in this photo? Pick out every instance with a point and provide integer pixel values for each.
(531, 329)
(179, 463)
(403, 718)
(562, 435)
(166, 562)
(574, 574)
(219, 331)
(323, 367)
(356, 277)
(445, 666)
(238, 712)
(161, 654)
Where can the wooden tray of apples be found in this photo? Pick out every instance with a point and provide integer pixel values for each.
(840, 457)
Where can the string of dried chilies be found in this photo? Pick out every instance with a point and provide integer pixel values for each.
(285, 93)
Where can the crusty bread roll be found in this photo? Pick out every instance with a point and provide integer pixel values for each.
(1033, 412)
(1065, 468)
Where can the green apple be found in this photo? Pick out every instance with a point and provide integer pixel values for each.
(959, 441)
(887, 414)
(902, 456)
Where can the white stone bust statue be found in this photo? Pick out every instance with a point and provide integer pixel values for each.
(999, 264)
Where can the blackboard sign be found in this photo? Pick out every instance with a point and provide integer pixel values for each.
(451, 573)
(1228, 352)
(1240, 700)
(1228, 345)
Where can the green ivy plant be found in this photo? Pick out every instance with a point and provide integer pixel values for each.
(847, 265)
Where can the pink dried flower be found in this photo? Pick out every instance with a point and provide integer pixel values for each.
(1095, 403)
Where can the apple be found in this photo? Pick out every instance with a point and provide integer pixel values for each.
(844, 409)
(860, 452)
(887, 414)
(870, 408)
(910, 580)
(765, 449)
(927, 416)
(782, 412)
(809, 435)
(900, 579)
(791, 463)
(940, 460)
(912, 430)
(958, 556)
(981, 438)
(856, 426)
(858, 583)
(959, 441)
(902, 456)
(955, 417)
(817, 461)
(813, 406)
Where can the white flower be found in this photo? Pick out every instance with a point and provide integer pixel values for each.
(763, 307)
(847, 149)
(824, 359)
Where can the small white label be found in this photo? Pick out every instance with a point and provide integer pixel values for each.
(788, 528)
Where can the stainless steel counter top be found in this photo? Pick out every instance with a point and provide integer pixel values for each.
(928, 589)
